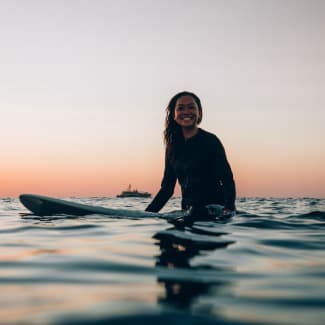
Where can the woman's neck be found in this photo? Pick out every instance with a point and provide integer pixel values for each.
(189, 132)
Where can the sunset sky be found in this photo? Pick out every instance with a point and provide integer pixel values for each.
(84, 86)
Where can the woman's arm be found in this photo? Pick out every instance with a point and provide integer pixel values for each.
(166, 190)
(227, 179)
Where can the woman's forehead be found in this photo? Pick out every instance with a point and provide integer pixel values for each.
(185, 100)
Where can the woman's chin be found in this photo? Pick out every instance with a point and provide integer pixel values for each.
(189, 125)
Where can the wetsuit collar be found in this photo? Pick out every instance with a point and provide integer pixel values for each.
(193, 136)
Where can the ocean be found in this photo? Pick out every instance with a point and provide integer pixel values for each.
(266, 265)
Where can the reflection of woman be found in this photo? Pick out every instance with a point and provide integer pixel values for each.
(179, 291)
(194, 157)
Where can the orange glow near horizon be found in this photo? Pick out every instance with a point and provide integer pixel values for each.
(75, 181)
(253, 178)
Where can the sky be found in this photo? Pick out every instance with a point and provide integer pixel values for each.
(84, 85)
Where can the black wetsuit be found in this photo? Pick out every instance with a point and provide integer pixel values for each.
(203, 172)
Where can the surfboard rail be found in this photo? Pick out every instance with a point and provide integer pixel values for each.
(41, 205)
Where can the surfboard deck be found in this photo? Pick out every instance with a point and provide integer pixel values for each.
(47, 206)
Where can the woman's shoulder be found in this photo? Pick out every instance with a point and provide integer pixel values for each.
(209, 136)
(211, 139)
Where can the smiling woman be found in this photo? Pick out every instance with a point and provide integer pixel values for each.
(194, 157)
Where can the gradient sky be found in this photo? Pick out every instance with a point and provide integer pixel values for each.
(84, 85)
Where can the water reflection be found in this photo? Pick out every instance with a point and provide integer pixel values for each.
(178, 248)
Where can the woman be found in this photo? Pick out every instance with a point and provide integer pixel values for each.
(194, 157)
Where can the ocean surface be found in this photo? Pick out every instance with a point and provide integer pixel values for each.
(266, 265)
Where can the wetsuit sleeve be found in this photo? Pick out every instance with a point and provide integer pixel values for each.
(166, 190)
(226, 177)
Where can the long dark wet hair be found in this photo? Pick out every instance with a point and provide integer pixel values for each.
(173, 136)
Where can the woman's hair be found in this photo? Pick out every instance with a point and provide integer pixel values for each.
(173, 136)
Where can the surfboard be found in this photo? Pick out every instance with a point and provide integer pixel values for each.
(47, 206)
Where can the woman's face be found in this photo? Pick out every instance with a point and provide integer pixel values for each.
(187, 113)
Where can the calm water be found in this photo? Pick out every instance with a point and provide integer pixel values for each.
(264, 266)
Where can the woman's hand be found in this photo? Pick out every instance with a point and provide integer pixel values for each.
(227, 212)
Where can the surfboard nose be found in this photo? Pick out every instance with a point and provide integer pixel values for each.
(31, 202)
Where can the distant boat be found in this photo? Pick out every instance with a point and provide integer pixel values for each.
(133, 193)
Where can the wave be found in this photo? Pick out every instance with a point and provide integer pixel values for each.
(137, 313)
(313, 215)
(195, 241)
